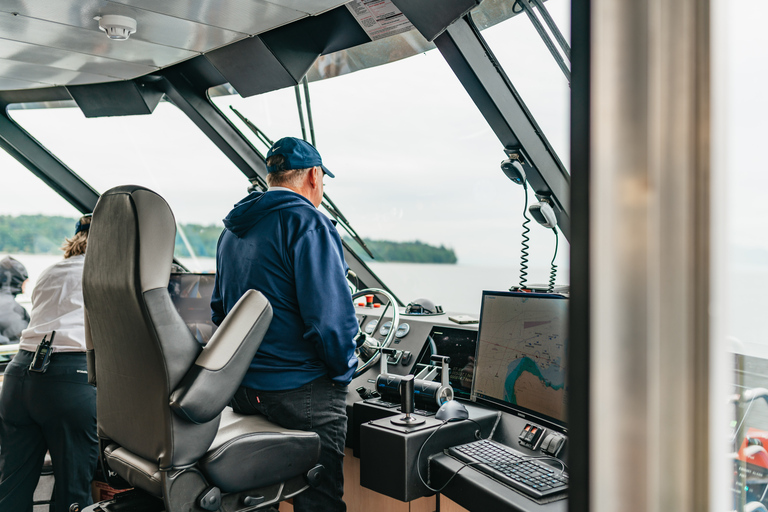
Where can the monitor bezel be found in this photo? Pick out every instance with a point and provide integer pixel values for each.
(517, 410)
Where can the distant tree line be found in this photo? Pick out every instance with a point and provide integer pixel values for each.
(407, 252)
(42, 234)
(202, 239)
(34, 234)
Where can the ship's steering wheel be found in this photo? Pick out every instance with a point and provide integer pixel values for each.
(369, 348)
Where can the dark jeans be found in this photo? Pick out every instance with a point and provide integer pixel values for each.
(53, 411)
(319, 406)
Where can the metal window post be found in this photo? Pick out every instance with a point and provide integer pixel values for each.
(54, 173)
(647, 210)
(489, 87)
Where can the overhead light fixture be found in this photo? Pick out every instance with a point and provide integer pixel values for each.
(118, 28)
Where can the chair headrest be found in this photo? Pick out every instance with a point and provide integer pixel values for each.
(151, 249)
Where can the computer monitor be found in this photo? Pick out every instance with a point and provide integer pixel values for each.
(191, 294)
(460, 346)
(521, 361)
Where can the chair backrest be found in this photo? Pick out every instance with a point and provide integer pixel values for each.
(141, 345)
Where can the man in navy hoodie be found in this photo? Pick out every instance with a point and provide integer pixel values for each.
(278, 242)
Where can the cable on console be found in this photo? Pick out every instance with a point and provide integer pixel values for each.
(549, 457)
(478, 436)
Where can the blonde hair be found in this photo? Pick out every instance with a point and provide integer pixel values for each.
(76, 245)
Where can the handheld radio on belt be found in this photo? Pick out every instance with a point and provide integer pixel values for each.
(42, 355)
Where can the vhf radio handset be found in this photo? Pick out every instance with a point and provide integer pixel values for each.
(42, 356)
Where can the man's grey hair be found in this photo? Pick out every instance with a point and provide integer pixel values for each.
(284, 177)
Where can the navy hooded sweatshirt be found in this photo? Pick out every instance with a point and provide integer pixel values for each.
(279, 244)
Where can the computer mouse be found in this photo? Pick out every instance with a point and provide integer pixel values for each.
(452, 411)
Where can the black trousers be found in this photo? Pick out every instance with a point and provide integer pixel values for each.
(53, 411)
(320, 406)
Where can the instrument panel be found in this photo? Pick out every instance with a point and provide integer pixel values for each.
(410, 340)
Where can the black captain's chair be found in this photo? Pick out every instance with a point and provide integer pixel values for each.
(161, 398)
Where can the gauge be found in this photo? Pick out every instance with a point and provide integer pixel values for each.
(370, 326)
(385, 328)
(402, 330)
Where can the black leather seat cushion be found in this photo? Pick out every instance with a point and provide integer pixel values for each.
(250, 452)
(135, 470)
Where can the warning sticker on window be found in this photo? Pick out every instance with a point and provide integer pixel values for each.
(379, 18)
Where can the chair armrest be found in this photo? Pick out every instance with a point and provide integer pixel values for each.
(219, 369)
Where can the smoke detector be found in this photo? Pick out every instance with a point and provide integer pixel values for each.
(118, 28)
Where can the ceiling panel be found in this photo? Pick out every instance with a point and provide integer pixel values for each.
(47, 74)
(151, 26)
(309, 6)
(248, 16)
(45, 33)
(62, 36)
(33, 54)
(9, 84)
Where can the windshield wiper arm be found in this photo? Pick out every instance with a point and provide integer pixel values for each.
(336, 214)
(255, 129)
(329, 205)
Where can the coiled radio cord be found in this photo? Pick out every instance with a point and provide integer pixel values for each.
(553, 272)
(526, 239)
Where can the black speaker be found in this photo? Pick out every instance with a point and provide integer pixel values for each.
(123, 98)
(432, 22)
(252, 68)
(281, 57)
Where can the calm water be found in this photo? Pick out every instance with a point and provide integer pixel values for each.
(457, 288)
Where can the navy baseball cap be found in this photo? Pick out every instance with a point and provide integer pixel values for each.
(298, 154)
(81, 226)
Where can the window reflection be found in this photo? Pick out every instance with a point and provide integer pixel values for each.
(739, 191)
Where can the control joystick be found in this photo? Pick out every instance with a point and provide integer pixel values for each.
(406, 403)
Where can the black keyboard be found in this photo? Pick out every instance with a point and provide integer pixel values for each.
(512, 468)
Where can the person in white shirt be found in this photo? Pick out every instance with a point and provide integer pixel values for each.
(54, 409)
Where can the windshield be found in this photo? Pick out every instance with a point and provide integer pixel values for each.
(741, 246)
(418, 169)
(534, 72)
(164, 152)
(415, 161)
(34, 221)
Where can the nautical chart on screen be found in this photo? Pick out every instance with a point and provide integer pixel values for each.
(521, 353)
